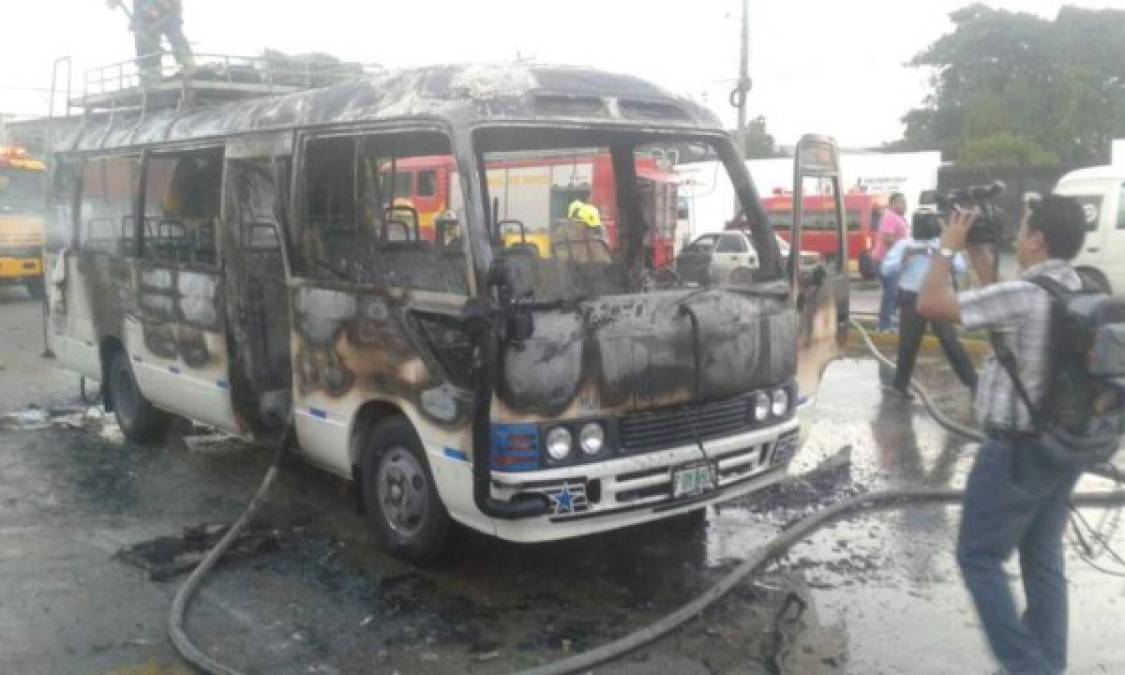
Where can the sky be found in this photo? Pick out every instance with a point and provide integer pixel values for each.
(820, 66)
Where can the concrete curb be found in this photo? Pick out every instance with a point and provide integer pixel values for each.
(974, 346)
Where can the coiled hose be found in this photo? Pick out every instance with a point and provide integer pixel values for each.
(628, 643)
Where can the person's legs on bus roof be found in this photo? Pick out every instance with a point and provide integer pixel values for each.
(146, 37)
(181, 48)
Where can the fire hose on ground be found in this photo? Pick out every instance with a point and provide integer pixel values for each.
(892, 498)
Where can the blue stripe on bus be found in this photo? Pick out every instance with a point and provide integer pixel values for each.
(174, 370)
(317, 412)
(222, 384)
(453, 453)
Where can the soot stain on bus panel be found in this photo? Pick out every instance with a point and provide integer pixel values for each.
(110, 290)
(639, 352)
(612, 355)
(176, 308)
(348, 342)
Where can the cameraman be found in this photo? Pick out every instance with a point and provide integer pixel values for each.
(908, 262)
(1014, 499)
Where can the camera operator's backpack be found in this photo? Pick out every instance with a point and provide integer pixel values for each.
(1081, 417)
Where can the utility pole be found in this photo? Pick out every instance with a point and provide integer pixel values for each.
(739, 96)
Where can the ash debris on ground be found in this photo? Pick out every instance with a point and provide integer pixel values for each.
(164, 558)
(831, 481)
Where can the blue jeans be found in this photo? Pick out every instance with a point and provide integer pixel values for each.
(1013, 501)
(889, 303)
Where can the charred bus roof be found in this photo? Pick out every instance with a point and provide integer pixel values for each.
(461, 96)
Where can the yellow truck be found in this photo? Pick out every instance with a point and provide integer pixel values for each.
(22, 206)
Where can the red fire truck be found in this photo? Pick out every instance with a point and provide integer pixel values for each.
(545, 187)
(818, 233)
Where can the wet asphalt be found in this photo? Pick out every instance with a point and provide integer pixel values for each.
(878, 593)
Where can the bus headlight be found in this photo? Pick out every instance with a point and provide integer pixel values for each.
(591, 438)
(559, 443)
(762, 403)
(780, 403)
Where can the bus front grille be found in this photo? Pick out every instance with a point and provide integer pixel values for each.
(671, 427)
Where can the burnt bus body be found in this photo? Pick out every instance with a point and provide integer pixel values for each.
(250, 265)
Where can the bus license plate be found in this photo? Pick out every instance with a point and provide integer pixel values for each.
(694, 480)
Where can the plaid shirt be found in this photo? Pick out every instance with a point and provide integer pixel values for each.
(1020, 311)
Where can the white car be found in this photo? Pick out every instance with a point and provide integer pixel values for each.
(714, 257)
(1101, 192)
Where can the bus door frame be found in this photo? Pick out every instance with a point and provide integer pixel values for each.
(271, 148)
(821, 296)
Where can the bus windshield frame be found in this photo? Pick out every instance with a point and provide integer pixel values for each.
(617, 258)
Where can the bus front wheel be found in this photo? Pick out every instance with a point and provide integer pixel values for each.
(140, 420)
(402, 500)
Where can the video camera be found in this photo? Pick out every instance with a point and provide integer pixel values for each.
(988, 227)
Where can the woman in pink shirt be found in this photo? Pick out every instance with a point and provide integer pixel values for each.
(892, 228)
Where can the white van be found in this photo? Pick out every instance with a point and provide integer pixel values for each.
(1101, 191)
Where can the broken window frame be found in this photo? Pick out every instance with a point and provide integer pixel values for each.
(623, 144)
(126, 239)
(306, 265)
(194, 261)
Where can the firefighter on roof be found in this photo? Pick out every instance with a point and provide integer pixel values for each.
(151, 20)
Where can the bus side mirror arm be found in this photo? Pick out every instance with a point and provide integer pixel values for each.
(518, 323)
(485, 374)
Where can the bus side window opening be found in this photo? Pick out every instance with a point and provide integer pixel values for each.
(362, 221)
(181, 206)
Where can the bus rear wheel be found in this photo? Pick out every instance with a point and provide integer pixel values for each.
(140, 421)
(402, 500)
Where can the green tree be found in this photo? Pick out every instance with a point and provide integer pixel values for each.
(1004, 149)
(1029, 89)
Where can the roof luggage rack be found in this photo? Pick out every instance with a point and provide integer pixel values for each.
(216, 78)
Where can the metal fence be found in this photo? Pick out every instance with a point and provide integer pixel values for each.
(260, 74)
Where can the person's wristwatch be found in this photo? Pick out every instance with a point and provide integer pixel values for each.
(947, 253)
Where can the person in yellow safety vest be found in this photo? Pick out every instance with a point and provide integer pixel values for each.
(587, 214)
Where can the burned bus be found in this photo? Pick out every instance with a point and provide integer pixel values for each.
(246, 264)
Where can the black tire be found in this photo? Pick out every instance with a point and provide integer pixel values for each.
(401, 497)
(866, 266)
(140, 421)
(36, 288)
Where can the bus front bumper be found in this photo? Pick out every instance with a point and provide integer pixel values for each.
(627, 491)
